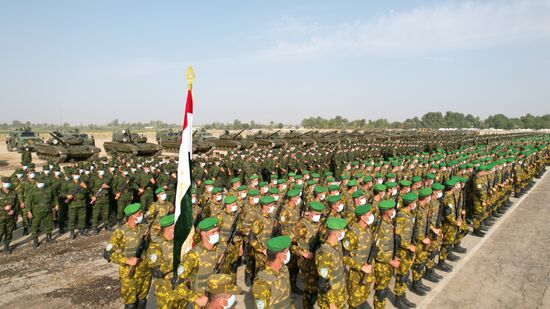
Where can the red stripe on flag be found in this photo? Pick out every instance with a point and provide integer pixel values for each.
(188, 108)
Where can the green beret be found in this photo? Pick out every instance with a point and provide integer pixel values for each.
(390, 185)
(379, 175)
(273, 191)
(357, 194)
(268, 199)
(333, 199)
(234, 180)
(279, 243)
(216, 190)
(405, 183)
(242, 188)
(293, 193)
(390, 175)
(291, 174)
(379, 187)
(281, 181)
(319, 189)
(344, 177)
(450, 183)
(416, 179)
(386, 205)
(209, 182)
(363, 209)
(208, 223)
(230, 199)
(317, 206)
(329, 179)
(253, 192)
(298, 177)
(437, 186)
(409, 198)
(352, 183)
(367, 178)
(424, 192)
(311, 182)
(253, 177)
(334, 223)
(327, 174)
(273, 177)
(430, 176)
(167, 220)
(315, 175)
(159, 190)
(333, 188)
(262, 184)
(132, 209)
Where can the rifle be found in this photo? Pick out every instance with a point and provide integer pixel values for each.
(316, 241)
(73, 193)
(124, 187)
(276, 231)
(141, 247)
(373, 250)
(221, 260)
(396, 240)
(198, 218)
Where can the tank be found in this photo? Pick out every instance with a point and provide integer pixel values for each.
(202, 141)
(169, 140)
(22, 138)
(129, 144)
(62, 148)
(228, 141)
(299, 139)
(86, 138)
(263, 140)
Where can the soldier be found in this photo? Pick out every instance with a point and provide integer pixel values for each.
(75, 194)
(160, 260)
(159, 209)
(271, 287)
(41, 202)
(145, 181)
(450, 225)
(304, 234)
(249, 213)
(357, 245)
(479, 201)
(336, 206)
(405, 225)
(121, 250)
(386, 259)
(329, 261)
(100, 187)
(222, 291)
(8, 204)
(122, 185)
(26, 156)
(199, 263)
(262, 229)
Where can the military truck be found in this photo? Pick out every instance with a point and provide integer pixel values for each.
(22, 138)
(64, 147)
(126, 143)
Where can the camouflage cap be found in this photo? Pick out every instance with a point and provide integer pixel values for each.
(222, 284)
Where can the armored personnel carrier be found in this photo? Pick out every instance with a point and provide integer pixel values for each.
(22, 138)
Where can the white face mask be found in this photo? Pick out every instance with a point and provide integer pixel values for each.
(57, 173)
(139, 219)
(392, 214)
(255, 201)
(214, 238)
(19, 175)
(429, 199)
(271, 209)
(243, 195)
(6, 185)
(40, 185)
(340, 208)
(379, 181)
(276, 197)
(163, 197)
(230, 302)
(287, 257)
(233, 208)
(264, 190)
(46, 172)
(439, 194)
(413, 206)
(322, 197)
(342, 236)
(363, 201)
(125, 173)
(370, 220)
(101, 173)
(316, 218)
(193, 200)
(218, 197)
(32, 175)
(87, 172)
(76, 177)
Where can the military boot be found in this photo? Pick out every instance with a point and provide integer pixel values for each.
(83, 232)
(429, 275)
(73, 235)
(49, 238)
(442, 265)
(458, 248)
(25, 231)
(478, 233)
(35, 242)
(96, 231)
(450, 255)
(7, 249)
(422, 286)
(402, 302)
(416, 289)
(142, 304)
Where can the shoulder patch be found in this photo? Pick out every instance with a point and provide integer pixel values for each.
(346, 244)
(109, 247)
(153, 257)
(323, 272)
(260, 304)
(479, 186)
(180, 270)
(283, 218)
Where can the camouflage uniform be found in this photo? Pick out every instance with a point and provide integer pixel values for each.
(160, 256)
(158, 210)
(77, 206)
(357, 243)
(382, 269)
(40, 203)
(8, 197)
(329, 262)
(404, 224)
(271, 289)
(101, 205)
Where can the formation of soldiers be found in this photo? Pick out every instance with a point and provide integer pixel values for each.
(339, 218)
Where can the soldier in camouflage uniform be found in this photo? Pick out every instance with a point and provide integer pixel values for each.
(121, 250)
(386, 259)
(144, 185)
(160, 261)
(357, 246)
(261, 231)
(41, 201)
(271, 287)
(450, 224)
(159, 209)
(329, 261)
(76, 193)
(222, 291)
(122, 186)
(479, 200)
(8, 204)
(303, 235)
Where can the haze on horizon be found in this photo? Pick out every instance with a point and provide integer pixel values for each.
(92, 62)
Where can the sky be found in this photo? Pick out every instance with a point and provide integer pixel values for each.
(87, 62)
